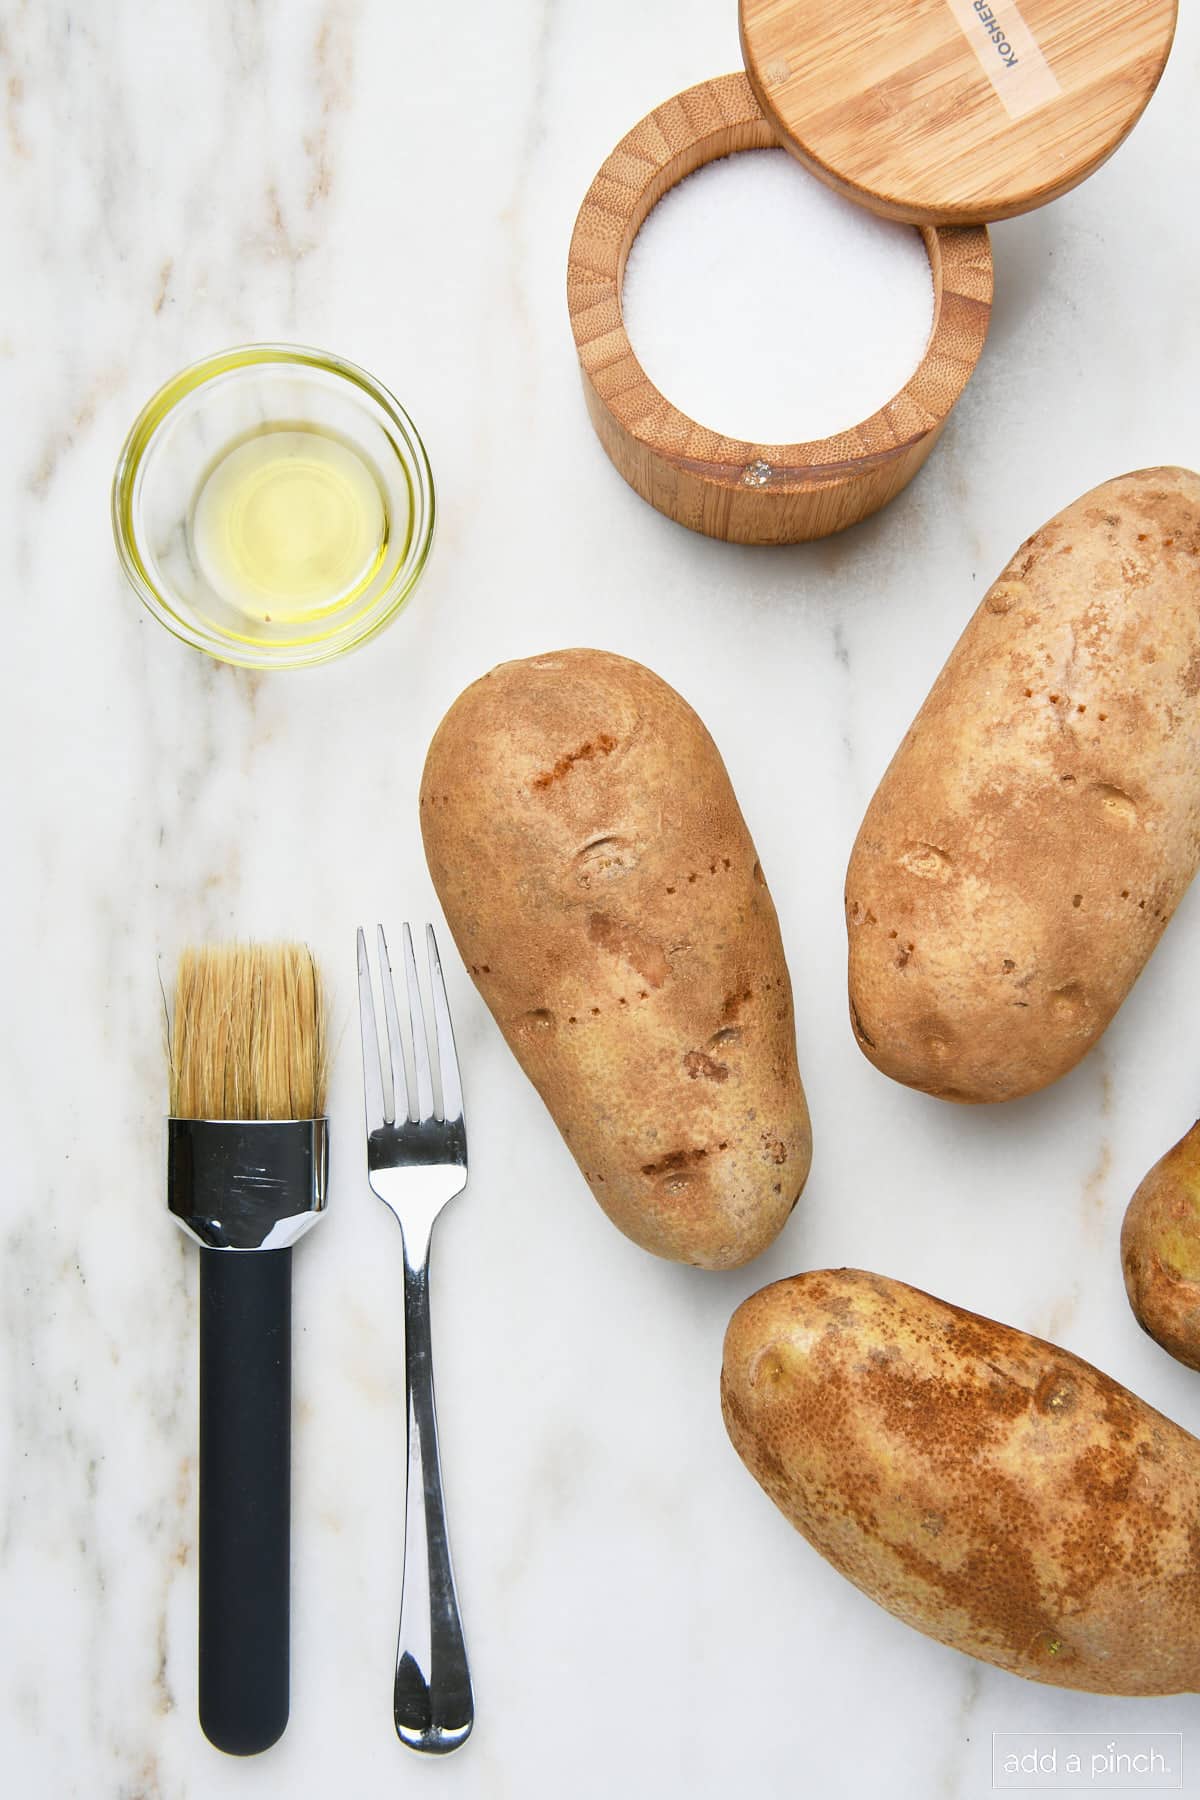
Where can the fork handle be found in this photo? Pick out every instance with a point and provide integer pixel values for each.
(434, 1707)
(245, 1496)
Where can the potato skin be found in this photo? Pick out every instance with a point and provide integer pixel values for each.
(603, 890)
(1160, 1251)
(988, 1488)
(1041, 819)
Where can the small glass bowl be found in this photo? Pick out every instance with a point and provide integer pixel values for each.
(187, 428)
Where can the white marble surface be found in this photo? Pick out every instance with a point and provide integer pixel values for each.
(400, 186)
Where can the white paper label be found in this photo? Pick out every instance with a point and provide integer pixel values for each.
(1008, 53)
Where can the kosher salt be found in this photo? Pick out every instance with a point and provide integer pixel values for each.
(770, 308)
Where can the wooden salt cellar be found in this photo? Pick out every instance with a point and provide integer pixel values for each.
(728, 487)
(941, 113)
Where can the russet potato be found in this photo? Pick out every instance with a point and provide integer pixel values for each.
(604, 892)
(988, 1488)
(1160, 1251)
(1040, 821)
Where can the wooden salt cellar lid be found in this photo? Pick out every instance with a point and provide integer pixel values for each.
(954, 112)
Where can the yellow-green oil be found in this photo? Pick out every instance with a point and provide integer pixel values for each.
(289, 526)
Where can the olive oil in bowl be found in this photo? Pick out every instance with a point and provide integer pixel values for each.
(273, 506)
(290, 525)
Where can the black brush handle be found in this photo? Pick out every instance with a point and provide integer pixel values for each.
(245, 1496)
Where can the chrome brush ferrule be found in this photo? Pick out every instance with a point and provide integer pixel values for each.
(247, 1184)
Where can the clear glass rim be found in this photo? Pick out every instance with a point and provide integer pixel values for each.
(150, 420)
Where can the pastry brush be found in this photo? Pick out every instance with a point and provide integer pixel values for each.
(246, 1175)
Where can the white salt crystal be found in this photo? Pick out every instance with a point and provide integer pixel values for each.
(769, 308)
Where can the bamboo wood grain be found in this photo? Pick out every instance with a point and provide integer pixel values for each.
(905, 108)
(730, 488)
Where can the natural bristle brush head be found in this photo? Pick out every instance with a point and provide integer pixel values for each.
(248, 1037)
(247, 1149)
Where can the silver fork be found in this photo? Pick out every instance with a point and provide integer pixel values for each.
(416, 1162)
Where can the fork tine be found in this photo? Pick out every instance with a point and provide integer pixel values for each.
(372, 1075)
(416, 1013)
(452, 1105)
(401, 1103)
